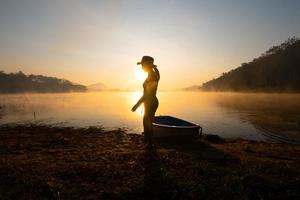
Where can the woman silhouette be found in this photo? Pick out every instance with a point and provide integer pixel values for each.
(149, 96)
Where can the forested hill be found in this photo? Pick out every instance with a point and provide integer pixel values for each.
(19, 82)
(278, 69)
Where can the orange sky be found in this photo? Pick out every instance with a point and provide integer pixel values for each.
(101, 41)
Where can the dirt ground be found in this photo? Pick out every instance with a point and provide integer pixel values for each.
(43, 162)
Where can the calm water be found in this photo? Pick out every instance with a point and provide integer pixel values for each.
(251, 116)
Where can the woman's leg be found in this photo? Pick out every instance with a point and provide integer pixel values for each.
(148, 119)
(148, 132)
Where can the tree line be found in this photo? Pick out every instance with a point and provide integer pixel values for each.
(278, 69)
(19, 83)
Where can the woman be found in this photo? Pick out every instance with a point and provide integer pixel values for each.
(149, 96)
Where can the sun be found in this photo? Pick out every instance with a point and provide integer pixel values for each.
(140, 75)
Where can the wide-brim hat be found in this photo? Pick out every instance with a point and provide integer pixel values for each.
(148, 60)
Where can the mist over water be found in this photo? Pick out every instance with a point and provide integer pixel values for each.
(246, 115)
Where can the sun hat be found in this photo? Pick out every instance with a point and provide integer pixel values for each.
(148, 60)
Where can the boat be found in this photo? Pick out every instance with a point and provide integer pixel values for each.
(168, 126)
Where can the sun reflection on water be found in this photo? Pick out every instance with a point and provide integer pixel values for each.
(226, 114)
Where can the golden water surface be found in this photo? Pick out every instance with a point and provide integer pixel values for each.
(247, 115)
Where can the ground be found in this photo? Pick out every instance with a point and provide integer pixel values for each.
(43, 162)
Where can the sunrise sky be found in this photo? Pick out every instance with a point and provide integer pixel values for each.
(101, 41)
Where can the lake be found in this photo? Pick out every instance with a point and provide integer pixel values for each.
(247, 115)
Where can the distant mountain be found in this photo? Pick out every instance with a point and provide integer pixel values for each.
(191, 88)
(278, 69)
(19, 83)
(97, 87)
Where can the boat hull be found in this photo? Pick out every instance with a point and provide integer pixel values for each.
(167, 126)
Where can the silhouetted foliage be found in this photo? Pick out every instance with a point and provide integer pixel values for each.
(278, 69)
(19, 82)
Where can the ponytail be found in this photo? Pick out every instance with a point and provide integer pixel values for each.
(156, 72)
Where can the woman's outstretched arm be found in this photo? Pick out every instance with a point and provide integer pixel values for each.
(140, 101)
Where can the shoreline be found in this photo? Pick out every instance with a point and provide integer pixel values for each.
(270, 136)
(39, 161)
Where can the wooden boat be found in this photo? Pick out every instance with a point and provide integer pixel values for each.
(168, 126)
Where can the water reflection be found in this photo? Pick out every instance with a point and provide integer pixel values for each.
(254, 116)
(110, 109)
(277, 115)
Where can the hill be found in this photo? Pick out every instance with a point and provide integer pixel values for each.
(97, 87)
(276, 70)
(19, 83)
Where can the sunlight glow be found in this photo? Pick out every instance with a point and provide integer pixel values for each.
(140, 75)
